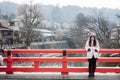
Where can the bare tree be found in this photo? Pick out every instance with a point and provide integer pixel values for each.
(97, 24)
(31, 18)
(118, 36)
(118, 32)
(101, 27)
(115, 33)
(77, 31)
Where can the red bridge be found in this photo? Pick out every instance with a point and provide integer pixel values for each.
(10, 68)
(64, 70)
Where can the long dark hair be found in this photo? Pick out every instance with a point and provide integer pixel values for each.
(94, 41)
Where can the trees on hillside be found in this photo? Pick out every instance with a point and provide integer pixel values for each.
(97, 24)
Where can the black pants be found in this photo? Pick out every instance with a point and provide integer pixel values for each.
(92, 65)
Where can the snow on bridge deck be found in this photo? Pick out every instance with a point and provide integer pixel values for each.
(58, 76)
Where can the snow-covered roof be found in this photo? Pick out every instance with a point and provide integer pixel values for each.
(45, 32)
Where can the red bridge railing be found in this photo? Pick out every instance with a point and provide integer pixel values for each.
(10, 68)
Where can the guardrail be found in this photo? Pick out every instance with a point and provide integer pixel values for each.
(10, 68)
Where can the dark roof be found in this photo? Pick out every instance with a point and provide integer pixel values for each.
(3, 28)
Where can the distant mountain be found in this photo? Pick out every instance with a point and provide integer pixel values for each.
(64, 14)
(8, 7)
(69, 13)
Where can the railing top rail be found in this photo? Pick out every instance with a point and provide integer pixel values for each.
(68, 51)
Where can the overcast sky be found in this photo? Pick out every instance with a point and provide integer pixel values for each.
(82, 3)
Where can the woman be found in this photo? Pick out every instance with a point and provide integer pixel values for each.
(1, 57)
(92, 48)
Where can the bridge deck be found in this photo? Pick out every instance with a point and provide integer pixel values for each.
(58, 76)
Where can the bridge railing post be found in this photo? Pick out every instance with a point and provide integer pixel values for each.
(64, 64)
(36, 64)
(9, 63)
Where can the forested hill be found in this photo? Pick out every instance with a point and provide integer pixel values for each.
(63, 14)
